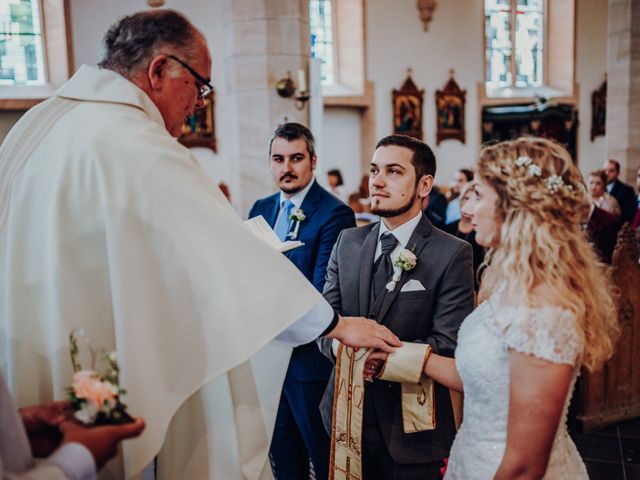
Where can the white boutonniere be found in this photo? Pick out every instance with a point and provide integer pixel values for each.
(297, 215)
(405, 262)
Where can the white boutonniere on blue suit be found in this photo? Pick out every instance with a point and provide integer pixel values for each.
(297, 216)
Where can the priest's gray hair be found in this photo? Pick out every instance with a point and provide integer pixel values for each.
(132, 42)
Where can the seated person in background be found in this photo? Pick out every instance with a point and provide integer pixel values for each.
(602, 232)
(435, 207)
(68, 449)
(599, 196)
(622, 192)
(463, 229)
(461, 178)
(336, 184)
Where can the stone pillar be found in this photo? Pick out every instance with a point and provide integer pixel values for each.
(623, 86)
(263, 40)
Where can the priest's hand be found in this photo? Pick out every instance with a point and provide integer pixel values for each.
(101, 441)
(41, 423)
(374, 363)
(360, 332)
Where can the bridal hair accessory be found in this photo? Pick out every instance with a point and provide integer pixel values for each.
(297, 215)
(553, 182)
(406, 261)
(95, 397)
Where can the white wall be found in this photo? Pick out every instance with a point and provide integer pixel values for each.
(341, 146)
(591, 66)
(396, 40)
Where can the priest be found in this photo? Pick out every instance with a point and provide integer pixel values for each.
(107, 223)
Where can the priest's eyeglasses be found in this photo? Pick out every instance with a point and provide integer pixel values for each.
(204, 87)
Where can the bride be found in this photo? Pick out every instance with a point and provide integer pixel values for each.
(548, 312)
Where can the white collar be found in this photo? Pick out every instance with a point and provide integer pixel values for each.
(103, 85)
(299, 197)
(403, 232)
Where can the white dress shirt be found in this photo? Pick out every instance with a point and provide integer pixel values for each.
(296, 199)
(402, 233)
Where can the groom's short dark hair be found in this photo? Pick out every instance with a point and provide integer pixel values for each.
(423, 159)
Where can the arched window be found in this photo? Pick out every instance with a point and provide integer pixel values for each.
(35, 50)
(514, 31)
(322, 38)
(337, 39)
(529, 48)
(21, 45)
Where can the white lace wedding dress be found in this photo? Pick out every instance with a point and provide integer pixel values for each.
(482, 360)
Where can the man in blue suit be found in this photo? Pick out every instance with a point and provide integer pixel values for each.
(302, 210)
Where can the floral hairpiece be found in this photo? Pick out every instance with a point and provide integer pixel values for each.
(553, 182)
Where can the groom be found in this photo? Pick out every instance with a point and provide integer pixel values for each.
(426, 306)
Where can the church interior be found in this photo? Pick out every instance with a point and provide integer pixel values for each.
(455, 74)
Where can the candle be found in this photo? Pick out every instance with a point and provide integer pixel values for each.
(302, 81)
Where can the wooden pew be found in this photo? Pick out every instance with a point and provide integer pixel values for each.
(612, 394)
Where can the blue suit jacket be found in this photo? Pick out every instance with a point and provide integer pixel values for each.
(326, 217)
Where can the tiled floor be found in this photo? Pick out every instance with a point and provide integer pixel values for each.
(612, 453)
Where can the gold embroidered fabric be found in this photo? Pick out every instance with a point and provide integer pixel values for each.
(405, 366)
(348, 402)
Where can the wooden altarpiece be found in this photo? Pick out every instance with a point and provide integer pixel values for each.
(407, 109)
(450, 106)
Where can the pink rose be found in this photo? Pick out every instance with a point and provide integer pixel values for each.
(88, 386)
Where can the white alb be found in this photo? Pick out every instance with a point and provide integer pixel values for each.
(482, 360)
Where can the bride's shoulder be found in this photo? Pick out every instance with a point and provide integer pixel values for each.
(544, 329)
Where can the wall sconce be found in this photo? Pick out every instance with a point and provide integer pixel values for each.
(286, 88)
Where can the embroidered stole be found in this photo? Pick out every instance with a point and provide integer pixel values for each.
(404, 365)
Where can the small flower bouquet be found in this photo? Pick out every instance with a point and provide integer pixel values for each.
(96, 398)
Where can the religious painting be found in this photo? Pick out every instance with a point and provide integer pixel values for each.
(199, 129)
(450, 106)
(407, 109)
(599, 110)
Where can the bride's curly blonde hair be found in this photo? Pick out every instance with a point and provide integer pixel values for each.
(542, 204)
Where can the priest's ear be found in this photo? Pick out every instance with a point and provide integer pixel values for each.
(157, 71)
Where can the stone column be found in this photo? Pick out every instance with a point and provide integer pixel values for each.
(263, 40)
(623, 86)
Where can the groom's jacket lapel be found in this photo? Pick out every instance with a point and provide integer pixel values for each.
(367, 253)
(417, 242)
(310, 205)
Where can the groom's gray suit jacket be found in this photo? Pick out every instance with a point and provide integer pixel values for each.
(432, 316)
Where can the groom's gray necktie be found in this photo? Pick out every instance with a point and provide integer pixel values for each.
(383, 268)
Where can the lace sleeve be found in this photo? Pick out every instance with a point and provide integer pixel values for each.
(549, 333)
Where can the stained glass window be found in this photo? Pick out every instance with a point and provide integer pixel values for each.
(514, 31)
(21, 46)
(322, 38)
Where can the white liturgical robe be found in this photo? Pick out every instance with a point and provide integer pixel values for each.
(107, 223)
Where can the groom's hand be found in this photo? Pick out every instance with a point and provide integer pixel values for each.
(374, 363)
(357, 332)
